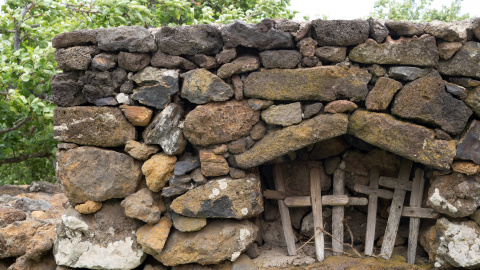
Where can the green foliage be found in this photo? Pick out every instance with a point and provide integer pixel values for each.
(414, 10)
(27, 64)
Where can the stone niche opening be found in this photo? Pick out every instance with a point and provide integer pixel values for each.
(356, 158)
(176, 131)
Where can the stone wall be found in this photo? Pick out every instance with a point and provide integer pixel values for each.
(162, 132)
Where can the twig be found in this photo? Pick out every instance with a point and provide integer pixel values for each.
(18, 126)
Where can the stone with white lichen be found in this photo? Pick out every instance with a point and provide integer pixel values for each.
(104, 240)
(452, 243)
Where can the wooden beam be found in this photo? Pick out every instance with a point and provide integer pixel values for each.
(415, 201)
(357, 201)
(284, 213)
(372, 211)
(391, 182)
(327, 200)
(381, 193)
(338, 212)
(274, 194)
(395, 211)
(316, 194)
(418, 212)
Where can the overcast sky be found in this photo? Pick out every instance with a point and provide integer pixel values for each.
(354, 9)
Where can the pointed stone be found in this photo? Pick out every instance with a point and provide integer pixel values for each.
(152, 238)
(166, 130)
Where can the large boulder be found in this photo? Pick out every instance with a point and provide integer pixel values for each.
(200, 86)
(90, 173)
(166, 130)
(280, 142)
(222, 198)
(262, 36)
(452, 243)
(218, 241)
(128, 38)
(340, 32)
(408, 140)
(98, 126)
(324, 83)
(426, 101)
(221, 122)
(456, 195)
(470, 143)
(414, 51)
(465, 62)
(104, 240)
(189, 40)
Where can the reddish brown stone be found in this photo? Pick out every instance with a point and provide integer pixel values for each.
(340, 106)
(213, 165)
(221, 122)
(137, 115)
(382, 94)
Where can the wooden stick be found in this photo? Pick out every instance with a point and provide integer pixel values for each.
(415, 201)
(316, 193)
(372, 212)
(338, 212)
(395, 211)
(327, 200)
(284, 213)
(392, 182)
(418, 212)
(381, 193)
(274, 194)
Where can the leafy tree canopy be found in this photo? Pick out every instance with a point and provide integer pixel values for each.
(417, 10)
(27, 62)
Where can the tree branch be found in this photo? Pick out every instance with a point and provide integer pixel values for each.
(24, 157)
(23, 122)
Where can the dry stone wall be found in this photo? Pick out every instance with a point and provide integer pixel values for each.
(161, 131)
